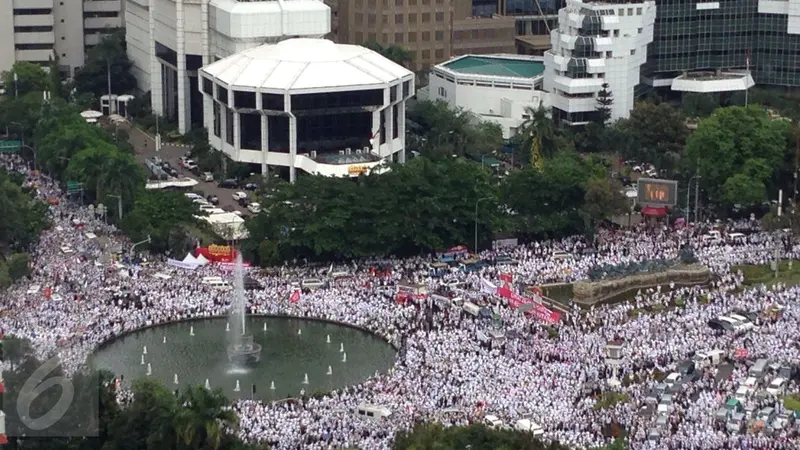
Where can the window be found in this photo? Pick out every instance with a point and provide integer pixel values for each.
(442, 92)
(372, 37)
(439, 17)
(426, 36)
(630, 11)
(608, 54)
(96, 14)
(412, 36)
(412, 2)
(398, 38)
(633, 52)
(638, 11)
(616, 33)
(412, 18)
(398, 19)
(621, 11)
(39, 29)
(359, 19)
(398, 2)
(33, 46)
(426, 54)
(639, 31)
(440, 35)
(359, 36)
(426, 17)
(33, 11)
(439, 54)
(386, 19)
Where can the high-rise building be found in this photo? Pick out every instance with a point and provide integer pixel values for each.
(169, 40)
(717, 37)
(38, 31)
(595, 43)
(432, 30)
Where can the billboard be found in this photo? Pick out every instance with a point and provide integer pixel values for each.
(655, 192)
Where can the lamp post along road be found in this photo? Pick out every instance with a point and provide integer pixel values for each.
(475, 248)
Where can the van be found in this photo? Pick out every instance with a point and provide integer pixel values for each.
(559, 255)
(312, 283)
(528, 426)
(471, 308)
(759, 369)
(216, 282)
(710, 358)
(493, 422)
(373, 411)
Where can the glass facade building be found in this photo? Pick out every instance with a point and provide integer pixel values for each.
(693, 35)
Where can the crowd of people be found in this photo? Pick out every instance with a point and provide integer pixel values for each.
(445, 373)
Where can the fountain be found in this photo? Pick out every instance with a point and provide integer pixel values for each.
(299, 332)
(328, 339)
(149, 369)
(237, 388)
(228, 326)
(208, 385)
(265, 327)
(191, 330)
(305, 379)
(341, 347)
(330, 371)
(142, 360)
(344, 357)
(175, 379)
(164, 341)
(272, 386)
(242, 349)
(144, 350)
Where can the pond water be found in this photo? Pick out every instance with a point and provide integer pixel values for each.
(286, 356)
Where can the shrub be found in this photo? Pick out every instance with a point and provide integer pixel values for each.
(18, 266)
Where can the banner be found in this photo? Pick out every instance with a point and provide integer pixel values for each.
(507, 277)
(487, 287)
(182, 265)
(538, 311)
(504, 243)
(229, 266)
(217, 253)
(295, 297)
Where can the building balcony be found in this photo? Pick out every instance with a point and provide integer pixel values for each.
(102, 6)
(47, 37)
(34, 55)
(573, 104)
(577, 85)
(99, 23)
(44, 20)
(32, 4)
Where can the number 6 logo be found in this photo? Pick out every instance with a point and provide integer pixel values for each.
(34, 387)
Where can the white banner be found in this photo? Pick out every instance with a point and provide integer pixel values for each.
(182, 265)
(487, 287)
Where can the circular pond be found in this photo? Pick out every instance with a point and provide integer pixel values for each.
(291, 349)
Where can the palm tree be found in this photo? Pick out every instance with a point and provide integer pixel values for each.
(537, 134)
(203, 418)
(121, 175)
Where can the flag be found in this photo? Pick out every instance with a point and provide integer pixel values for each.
(330, 270)
(487, 287)
(747, 60)
(295, 297)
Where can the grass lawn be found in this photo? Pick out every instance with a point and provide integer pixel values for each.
(763, 274)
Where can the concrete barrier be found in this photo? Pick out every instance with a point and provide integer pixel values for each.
(591, 292)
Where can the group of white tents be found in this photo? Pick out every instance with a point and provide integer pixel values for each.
(190, 262)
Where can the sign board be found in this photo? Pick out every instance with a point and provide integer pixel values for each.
(357, 170)
(656, 192)
(10, 146)
(73, 187)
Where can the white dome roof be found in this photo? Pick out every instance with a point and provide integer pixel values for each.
(300, 64)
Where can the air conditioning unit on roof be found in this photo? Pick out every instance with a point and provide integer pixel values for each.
(313, 154)
(348, 151)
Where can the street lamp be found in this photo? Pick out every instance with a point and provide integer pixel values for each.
(439, 139)
(476, 221)
(139, 243)
(119, 204)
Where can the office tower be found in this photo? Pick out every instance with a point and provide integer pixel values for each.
(169, 40)
(41, 30)
(596, 43)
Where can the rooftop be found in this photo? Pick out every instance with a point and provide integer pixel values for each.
(305, 64)
(499, 66)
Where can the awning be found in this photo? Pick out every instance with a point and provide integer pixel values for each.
(654, 211)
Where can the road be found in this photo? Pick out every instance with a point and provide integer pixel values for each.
(145, 147)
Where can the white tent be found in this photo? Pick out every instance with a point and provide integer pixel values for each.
(190, 259)
(201, 260)
(91, 114)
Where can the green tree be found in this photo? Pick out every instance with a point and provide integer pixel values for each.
(23, 218)
(167, 217)
(395, 53)
(477, 437)
(654, 133)
(725, 143)
(30, 78)
(203, 420)
(603, 200)
(700, 104)
(109, 55)
(604, 102)
(536, 137)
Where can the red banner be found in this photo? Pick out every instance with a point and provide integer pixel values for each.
(402, 297)
(538, 311)
(295, 297)
(507, 277)
(217, 253)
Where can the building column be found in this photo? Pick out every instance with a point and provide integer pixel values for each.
(223, 126)
(389, 127)
(169, 90)
(292, 147)
(204, 41)
(156, 86)
(376, 132)
(264, 143)
(237, 135)
(183, 95)
(401, 130)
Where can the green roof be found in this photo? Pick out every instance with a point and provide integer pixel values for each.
(496, 66)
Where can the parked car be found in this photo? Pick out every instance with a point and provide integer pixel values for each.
(228, 184)
(182, 161)
(190, 164)
(192, 196)
(250, 187)
(213, 199)
(238, 195)
(254, 207)
(243, 202)
(208, 176)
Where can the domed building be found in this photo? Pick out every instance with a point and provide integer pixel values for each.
(308, 104)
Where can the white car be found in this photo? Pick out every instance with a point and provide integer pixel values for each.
(190, 164)
(254, 207)
(192, 196)
(777, 386)
(239, 195)
(208, 176)
(672, 378)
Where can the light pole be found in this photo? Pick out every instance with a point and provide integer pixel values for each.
(475, 249)
(439, 139)
(139, 243)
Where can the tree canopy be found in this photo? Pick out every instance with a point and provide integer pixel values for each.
(110, 54)
(30, 77)
(737, 152)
